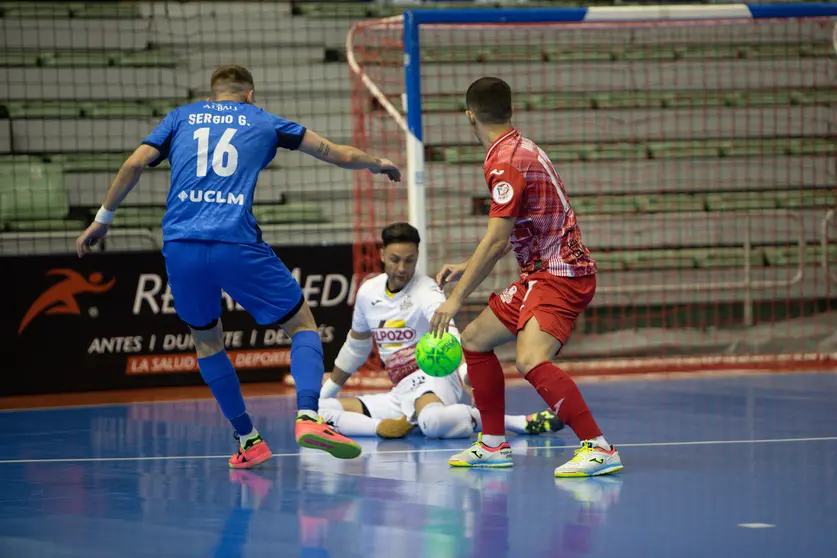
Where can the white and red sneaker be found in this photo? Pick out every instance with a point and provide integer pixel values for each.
(480, 455)
(590, 461)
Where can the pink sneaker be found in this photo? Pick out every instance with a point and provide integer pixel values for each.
(315, 434)
(253, 453)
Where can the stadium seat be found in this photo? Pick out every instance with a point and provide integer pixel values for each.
(9, 159)
(90, 59)
(67, 10)
(740, 201)
(43, 109)
(135, 217)
(665, 203)
(47, 225)
(9, 58)
(659, 259)
(643, 99)
(71, 59)
(788, 256)
(93, 162)
(603, 205)
(608, 261)
(33, 197)
(806, 199)
(278, 214)
(715, 258)
(119, 109)
(149, 58)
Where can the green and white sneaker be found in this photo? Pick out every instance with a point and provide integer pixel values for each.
(480, 455)
(590, 461)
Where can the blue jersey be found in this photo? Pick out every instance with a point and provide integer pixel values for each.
(217, 150)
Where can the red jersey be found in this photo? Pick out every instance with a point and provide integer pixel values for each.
(524, 185)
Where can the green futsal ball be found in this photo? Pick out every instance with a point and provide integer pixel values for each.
(438, 356)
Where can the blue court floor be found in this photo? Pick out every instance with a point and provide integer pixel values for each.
(735, 467)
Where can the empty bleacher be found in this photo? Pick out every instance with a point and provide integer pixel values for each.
(83, 83)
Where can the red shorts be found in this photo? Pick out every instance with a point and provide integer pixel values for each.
(554, 301)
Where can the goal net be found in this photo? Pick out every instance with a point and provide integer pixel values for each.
(697, 145)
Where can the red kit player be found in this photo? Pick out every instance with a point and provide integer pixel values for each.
(530, 213)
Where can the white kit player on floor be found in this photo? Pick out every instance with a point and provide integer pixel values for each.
(395, 308)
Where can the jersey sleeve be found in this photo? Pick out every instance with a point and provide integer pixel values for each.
(507, 187)
(160, 137)
(359, 322)
(288, 134)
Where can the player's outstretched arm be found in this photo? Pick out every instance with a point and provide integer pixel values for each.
(491, 248)
(346, 156)
(352, 355)
(451, 273)
(127, 177)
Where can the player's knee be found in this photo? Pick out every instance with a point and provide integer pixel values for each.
(470, 340)
(208, 340)
(529, 357)
(525, 361)
(302, 320)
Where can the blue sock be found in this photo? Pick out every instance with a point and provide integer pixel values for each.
(307, 369)
(219, 374)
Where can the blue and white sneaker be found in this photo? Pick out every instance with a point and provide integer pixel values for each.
(480, 455)
(590, 461)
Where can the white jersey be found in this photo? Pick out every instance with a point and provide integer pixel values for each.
(398, 321)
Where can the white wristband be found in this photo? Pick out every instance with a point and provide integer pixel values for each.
(104, 216)
(330, 389)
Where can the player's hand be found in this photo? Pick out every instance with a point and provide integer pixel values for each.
(94, 233)
(441, 318)
(450, 273)
(387, 167)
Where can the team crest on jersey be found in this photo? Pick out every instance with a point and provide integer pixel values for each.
(406, 304)
(392, 334)
(502, 193)
(508, 294)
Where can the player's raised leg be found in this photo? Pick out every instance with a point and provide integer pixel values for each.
(535, 350)
(486, 375)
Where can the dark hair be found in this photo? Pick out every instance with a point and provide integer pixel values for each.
(234, 79)
(489, 98)
(400, 232)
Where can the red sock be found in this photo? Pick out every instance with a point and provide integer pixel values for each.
(489, 385)
(557, 388)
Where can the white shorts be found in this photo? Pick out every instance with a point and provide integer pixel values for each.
(401, 400)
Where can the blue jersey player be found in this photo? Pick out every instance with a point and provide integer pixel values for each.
(211, 242)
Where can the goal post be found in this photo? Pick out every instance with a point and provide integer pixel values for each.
(698, 144)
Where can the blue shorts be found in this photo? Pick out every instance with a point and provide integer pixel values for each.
(252, 274)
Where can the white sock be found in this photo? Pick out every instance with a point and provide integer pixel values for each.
(345, 422)
(516, 424)
(600, 442)
(330, 389)
(438, 420)
(493, 440)
(307, 413)
(356, 424)
(243, 439)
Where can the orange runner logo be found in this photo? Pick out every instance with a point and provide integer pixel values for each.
(60, 298)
